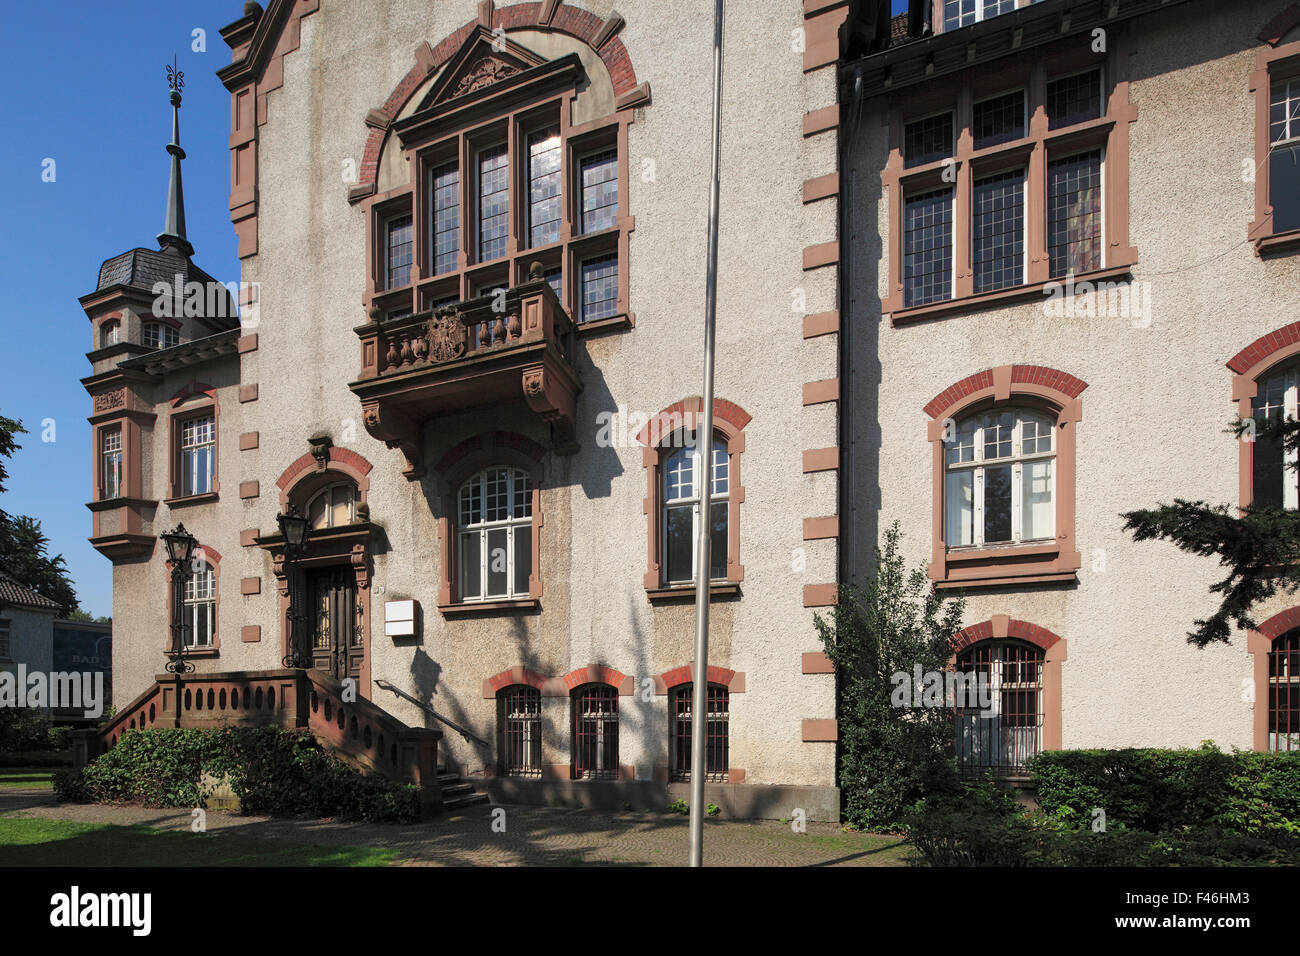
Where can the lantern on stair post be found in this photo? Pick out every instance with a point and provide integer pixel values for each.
(293, 529)
(181, 546)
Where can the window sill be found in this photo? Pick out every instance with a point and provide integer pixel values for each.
(685, 593)
(470, 608)
(615, 323)
(1278, 244)
(185, 500)
(205, 653)
(1013, 566)
(121, 501)
(970, 303)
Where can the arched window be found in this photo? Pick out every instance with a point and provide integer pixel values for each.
(495, 533)
(519, 717)
(110, 333)
(1284, 693)
(1003, 726)
(333, 506)
(595, 732)
(683, 509)
(717, 739)
(999, 481)
(1275, 481)
(199, 611)
(160, 335)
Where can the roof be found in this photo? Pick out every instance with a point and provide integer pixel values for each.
(13, 594)
(186, 354)
(141, 268)
(898, 28)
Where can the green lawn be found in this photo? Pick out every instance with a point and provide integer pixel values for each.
(26, 778)
(32, 841)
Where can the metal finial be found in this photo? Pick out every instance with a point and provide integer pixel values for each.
(175, 78)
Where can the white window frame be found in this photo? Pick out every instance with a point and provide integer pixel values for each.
(977, 465)
(980, 14)
(190, 448)
(329, 505)
(110, 333)
(111, 462)
(163, 335)
(1290, 408)
(200, 604)
(1292, 133)
(692, 455)
(483, 527)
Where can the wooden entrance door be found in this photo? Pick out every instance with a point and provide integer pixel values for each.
(336, 626)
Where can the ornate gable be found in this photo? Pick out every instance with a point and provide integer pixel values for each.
(483, 59)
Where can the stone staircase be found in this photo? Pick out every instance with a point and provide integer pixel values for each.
(457, 792)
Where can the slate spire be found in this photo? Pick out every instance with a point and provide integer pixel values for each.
(173, 234)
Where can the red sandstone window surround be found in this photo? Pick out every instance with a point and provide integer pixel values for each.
(1275, 650)
(193, 435)
(1265, 386)
(717, 733)
(1001, 181)
(1275, 83)
(501, 179)
(200, 604)
(490, 528)
(674, 495)
(1003, 451)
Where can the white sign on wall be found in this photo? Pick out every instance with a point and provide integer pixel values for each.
(399, 618)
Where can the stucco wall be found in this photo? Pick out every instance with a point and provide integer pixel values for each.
(311, 266)
(1155, 409)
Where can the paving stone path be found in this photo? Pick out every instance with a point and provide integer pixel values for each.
(535, 836)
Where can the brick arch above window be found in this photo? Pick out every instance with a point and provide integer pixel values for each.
(734, 681)
(1000, 626)
(308, 469)
(1052, 561)
(729, 421)
(599, 674)
(1249, 366)
(551, 16)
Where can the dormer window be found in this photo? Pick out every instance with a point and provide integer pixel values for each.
(159, 335)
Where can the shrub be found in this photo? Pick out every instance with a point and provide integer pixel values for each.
(272, 771)
(1162, 790)
(890, 756)
(23, 729)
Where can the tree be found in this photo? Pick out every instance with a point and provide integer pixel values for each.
(1260, 546)
(890, 756)
(24, 549)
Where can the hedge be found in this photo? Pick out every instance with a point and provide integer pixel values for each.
(273, 771)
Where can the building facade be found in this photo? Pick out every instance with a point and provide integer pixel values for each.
(1074, 265)
(472, 246)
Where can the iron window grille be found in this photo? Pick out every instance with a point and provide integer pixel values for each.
(495, 510)
(1284, 693)
(5, 650)
(520, 719)
(595, 732)
(1003, 737)
(716, 734)
(1000, 479)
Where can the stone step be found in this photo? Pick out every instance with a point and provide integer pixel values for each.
(466, 800)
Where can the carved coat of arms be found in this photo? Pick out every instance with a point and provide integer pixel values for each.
(446, 337)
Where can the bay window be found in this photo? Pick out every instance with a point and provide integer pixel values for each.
(444, 229)
(493, 202)
(398, 251)
(544, 152)
(110, 463)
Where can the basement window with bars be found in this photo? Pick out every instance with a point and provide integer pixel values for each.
(595, 732)
(1002, 736)
(519, 717)
(716, 734)
(495, 532)
(1284, 693)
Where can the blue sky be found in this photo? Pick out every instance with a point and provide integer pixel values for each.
(84, 85)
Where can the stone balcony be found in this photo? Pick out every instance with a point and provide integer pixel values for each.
(418, 367)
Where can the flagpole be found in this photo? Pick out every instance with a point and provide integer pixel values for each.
(704, 447)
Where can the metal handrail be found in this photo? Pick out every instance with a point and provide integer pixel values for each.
(468, 735)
